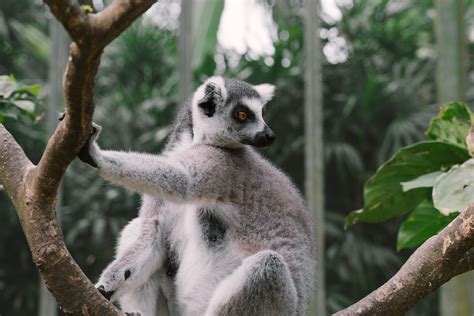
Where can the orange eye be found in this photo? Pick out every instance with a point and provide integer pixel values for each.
(243, 116)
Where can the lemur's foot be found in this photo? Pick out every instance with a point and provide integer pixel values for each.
(104, 293)
(112, 279)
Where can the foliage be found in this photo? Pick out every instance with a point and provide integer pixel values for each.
(23, 38)
(424, 222)
(17, 98)
(425, 179)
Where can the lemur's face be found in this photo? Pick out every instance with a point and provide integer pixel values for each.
(229, 113)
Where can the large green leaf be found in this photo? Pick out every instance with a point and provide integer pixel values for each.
(8, 109)
(454, 191)
(424, 181)
(383, 195)
(424, 222)
(452, 124)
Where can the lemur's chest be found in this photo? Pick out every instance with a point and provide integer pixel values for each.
(201, 231)
(202, 252)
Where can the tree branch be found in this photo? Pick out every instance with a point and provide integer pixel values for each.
(114, 19)
(71, 16)
(443, 256)
(13, 165)
(79, 83)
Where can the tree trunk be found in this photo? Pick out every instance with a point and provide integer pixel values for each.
(314, 156)
(185, 44)
(457, 296)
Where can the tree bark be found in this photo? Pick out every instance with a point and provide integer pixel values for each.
(32, 188)
(59, 43)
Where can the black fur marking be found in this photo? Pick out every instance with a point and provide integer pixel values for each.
(208, 102)
(127, 274)
(172, 261)
(213, 228)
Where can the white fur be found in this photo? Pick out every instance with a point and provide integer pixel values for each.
(207, 127)
(238, 280)
(266, 91)
(200, 270)
(256, 106)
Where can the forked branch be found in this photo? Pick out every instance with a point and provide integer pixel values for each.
(32, 188)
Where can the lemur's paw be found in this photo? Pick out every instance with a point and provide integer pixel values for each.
(106, 294)
(85, 153)
(133, 314)
(112, 279)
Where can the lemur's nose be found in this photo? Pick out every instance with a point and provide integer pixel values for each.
(263, 138)
(270, 135)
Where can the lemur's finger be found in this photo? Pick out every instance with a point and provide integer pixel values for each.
(61, 115)
(104, 293)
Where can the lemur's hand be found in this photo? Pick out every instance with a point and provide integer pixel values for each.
(85, 155)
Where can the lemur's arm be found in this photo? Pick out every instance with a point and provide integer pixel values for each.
(144, 173)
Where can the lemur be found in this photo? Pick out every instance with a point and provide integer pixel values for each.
(221, 231)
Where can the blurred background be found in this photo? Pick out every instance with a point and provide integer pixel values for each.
(378, 63)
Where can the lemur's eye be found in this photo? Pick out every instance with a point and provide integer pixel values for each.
(243, 116)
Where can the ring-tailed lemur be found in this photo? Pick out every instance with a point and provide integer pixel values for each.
(221, 231)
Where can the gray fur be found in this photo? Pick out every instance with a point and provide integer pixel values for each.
(221, 231)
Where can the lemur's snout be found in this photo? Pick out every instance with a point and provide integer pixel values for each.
(264, 138)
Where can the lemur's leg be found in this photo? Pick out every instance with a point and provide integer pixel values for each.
(144, 173)
(261, 285)
(141, 301)
(140, 253)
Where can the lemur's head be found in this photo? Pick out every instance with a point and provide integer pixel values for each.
(229, 113)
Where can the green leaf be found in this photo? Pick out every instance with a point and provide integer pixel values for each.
(424, 222)
(8, 85)
(383, 195)
(424, 181)
(33, 89)
(454, 191)
(26, 105)
(10, 112)
(451, 125)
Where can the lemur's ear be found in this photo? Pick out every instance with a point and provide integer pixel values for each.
(266, 91)
(213, 93)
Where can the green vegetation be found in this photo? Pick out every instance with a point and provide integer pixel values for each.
(17, 99)
(431, 179)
